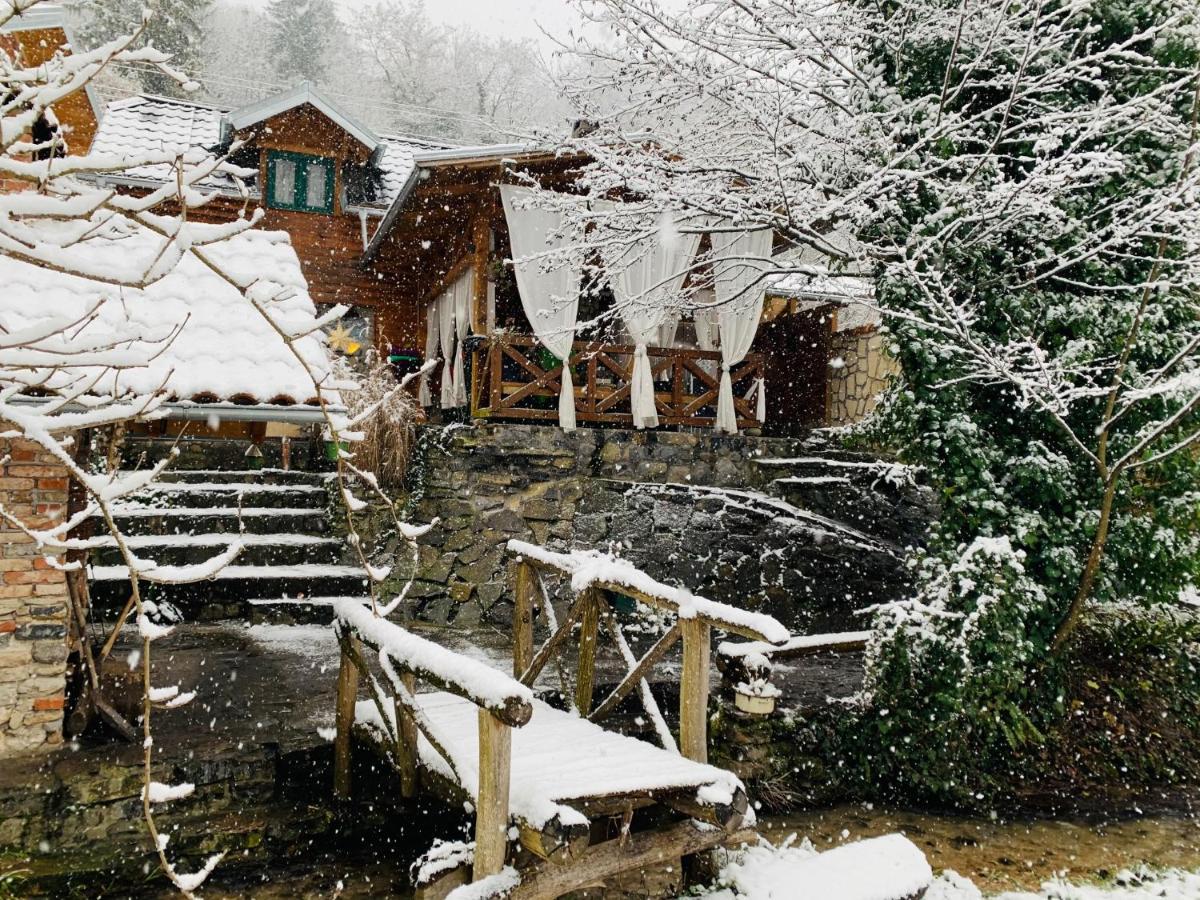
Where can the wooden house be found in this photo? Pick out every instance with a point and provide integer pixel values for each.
(395, 228)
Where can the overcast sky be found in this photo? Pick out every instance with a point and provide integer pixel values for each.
(509, 18)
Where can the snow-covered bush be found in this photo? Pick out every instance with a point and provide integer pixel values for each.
(948, 673)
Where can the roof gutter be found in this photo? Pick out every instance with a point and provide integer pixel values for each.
(262, 412)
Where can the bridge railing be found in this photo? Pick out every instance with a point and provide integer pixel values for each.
(403, 659)
(597, 580)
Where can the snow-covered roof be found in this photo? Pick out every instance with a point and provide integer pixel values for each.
(225, 349)
(151, 123)
(303, 93)
(854, 296)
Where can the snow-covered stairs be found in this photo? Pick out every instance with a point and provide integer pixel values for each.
(879, 498)
(282, 518)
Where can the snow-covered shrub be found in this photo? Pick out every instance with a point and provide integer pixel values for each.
(948, 671)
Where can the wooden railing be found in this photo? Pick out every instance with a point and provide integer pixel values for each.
(513, 377)
(403, 658)
(597, 579)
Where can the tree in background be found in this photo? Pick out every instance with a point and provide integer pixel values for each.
(1021, 183)
(299, 37)
(177, 28)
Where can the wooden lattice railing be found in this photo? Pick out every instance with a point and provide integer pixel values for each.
(513, 377)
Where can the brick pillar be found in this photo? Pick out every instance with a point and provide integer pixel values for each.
(33, 603)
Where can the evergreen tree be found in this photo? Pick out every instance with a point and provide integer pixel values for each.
(300, 37)
(176, 27)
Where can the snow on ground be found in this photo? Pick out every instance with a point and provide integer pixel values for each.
(315, 642)
(797, 872)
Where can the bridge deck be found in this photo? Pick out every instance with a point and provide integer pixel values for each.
(558, 759)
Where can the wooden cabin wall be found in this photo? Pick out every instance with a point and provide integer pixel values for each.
(74, 112)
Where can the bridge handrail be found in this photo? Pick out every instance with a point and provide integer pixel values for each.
(594, 569)
(488, 688)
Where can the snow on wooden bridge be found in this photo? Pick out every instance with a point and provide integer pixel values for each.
(567, 787)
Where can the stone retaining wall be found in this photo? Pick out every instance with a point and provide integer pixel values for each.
(686, 507)
(865, 372)
(33, 603)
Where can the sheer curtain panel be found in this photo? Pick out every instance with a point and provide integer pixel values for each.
(548, 282)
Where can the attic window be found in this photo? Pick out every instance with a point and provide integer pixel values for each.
(299, 181)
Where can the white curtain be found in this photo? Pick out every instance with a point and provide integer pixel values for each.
(445, 308)
(550, 297)
(646, 282)
(447, 326)
(740, 259)
(432, 328)
(463, 289)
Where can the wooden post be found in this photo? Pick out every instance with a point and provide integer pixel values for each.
(491, 807)
(693, 690)
(347, 695)
(406, 739)
(523, 600)
(481, 236)
(589, 627)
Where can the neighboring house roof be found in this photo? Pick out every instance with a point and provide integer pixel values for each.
(150, 123)
(303, 93)
(224, 351)
(853, 295)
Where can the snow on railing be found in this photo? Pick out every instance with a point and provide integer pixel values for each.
(592, 568)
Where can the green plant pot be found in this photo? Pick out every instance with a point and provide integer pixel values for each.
(331, 450)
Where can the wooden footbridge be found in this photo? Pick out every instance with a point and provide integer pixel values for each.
(561, 803)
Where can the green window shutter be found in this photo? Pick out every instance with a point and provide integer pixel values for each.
(299, 181)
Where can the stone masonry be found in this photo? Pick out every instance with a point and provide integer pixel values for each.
(865, 372)
(694, 509)
(33, 603)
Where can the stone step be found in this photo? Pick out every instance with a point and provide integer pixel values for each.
(260, 549)
(143, 520)
(227, 597)
(202, 495)
(284, 610)
(244, 476)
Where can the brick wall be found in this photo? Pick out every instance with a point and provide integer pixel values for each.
(33, 603)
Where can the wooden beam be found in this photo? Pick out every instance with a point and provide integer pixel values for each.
(406, 739)
(347, 696)
(637, 673)
(693, 690)
(481, 237)
(643, 850)
(589, 628)
(728, 816)
(491, 807)
(556, 842)
(524, 595)
(555, 640)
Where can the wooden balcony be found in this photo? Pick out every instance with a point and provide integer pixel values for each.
(514, 377)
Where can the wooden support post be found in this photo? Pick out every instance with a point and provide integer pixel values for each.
(491, 807)
(589, 627)
(481, 237)
(347, 696)
(524, 596)
(693, 690)
(406, 739)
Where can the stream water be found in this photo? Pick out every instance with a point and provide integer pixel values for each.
(1010, 854)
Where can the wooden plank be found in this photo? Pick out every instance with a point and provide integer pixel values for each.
(644, 850)
(406, 740)
(555, 842)
(481, 237)
(347, 696)
(589, 628)
(637, 673)
(693, 690)
(491, 807)
(524, 597)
